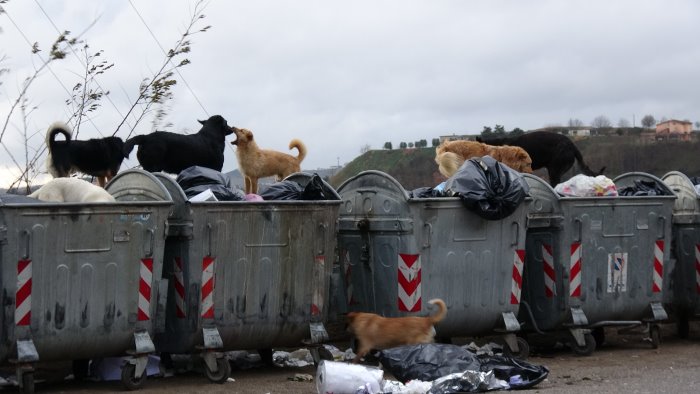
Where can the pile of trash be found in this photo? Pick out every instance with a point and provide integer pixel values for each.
(431, 368)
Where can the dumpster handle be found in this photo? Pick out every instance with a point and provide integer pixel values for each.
(209, 228)
(151, 242)
(579, 224)
(517, 233)
(26, 244)
(429, 226)
(662, 219)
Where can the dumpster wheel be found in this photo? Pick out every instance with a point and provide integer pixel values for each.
(28, 383)
(523, 349)
(655, 335)
(587, 349)
(223, 371)
(129, 379)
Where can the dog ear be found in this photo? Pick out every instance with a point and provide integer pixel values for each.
(202, 122)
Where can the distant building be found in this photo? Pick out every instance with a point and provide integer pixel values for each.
(455, 137)
(675, 130)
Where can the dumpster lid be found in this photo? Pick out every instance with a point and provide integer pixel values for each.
(686, 208)
(374, 181)
(545, 201)
(303, 178)
(180, 211)
(628, 179)
(137, 185)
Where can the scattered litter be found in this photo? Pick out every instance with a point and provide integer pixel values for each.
(242, 360)
(301, 377)
(110, 368)
(230, 380)
(339, 355)
(297, 358)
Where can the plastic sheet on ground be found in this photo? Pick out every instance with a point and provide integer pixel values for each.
(456, 369)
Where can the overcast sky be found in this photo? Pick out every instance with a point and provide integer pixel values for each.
(344, 74)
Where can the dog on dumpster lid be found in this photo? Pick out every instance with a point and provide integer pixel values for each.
(71, 190)
(450, 155)
(553, 151)
(376, 332)
(98, 157)
(256, 163)
(172, 152)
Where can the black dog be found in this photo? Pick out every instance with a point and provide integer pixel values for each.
(552, 151)
(172, 153)
(99, 157)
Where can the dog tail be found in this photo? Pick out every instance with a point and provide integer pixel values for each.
(55, 129)
(295, 143)
(129, 145)
(448, 163)
(442, 310)
(584, 168)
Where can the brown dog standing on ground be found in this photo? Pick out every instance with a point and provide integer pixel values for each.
(256, 163)
(450, 155)
(376, 332)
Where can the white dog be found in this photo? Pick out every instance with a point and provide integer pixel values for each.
(71, 190)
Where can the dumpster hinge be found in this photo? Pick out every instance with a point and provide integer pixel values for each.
(212, 339)
(318, 333)
(657, 311)
(26, 351)
(578, 318)
(143, 343)
(510, 322)
(161, 305)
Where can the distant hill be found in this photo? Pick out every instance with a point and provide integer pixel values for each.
(415, 168)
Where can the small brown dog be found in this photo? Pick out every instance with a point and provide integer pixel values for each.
(256, 163)
(450, 155)
(376, 332)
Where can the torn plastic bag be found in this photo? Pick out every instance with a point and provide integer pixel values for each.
(488, 187)
(432, 361)
(587, 186)
(426, 192)
(643, 188)
(291, 190)
(194, 180)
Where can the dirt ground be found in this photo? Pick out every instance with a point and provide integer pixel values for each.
(624, 364)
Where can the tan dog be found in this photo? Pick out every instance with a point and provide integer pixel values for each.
(71, 190)
(450, 155)
(376, 332)
(256, 163)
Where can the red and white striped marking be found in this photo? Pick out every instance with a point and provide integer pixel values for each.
(409, 282)
(697, 268)
(549, 273)
(658, 281)
(208, 287)
(23, 297)
(179, 289)
(145, 289)
(317, 300)
(575, 270)
(517, 282)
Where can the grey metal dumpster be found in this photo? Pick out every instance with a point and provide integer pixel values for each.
(81, 281)
(684, 293)
(593, 262)
(396, 252)
(246, 275)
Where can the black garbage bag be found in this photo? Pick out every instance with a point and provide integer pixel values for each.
(194, 180)
(488, 187)
(316, 190)
(643, 188)
(291, 190)
(427, 192)
(427, 361)
(455, 369)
